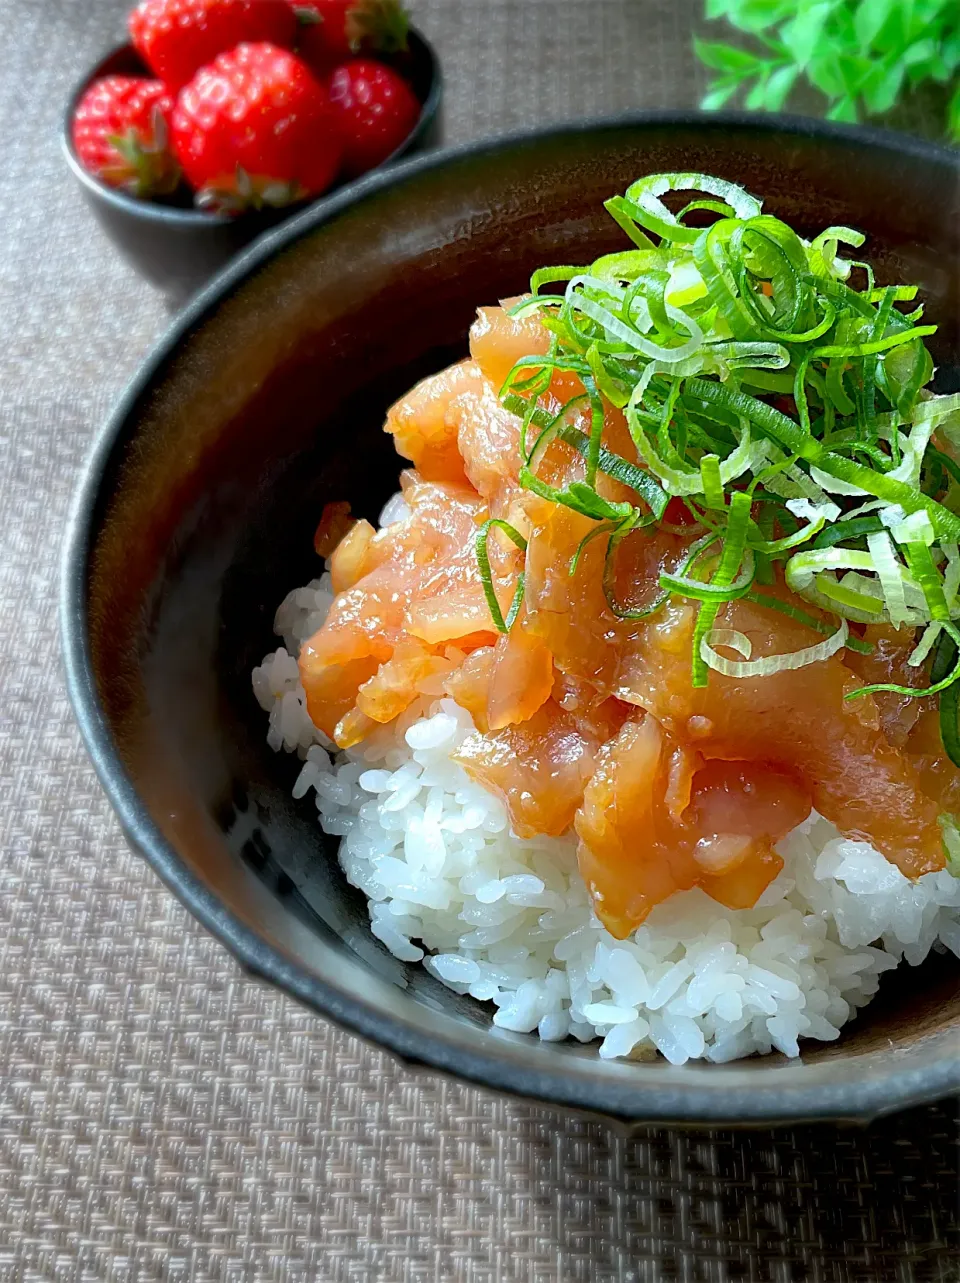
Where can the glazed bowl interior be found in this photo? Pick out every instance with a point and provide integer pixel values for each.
(265, 402)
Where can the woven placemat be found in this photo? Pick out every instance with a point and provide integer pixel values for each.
(161, 1117)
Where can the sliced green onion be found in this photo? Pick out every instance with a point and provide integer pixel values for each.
(694, 339)
(912, 691)
(616, 393)
(931, 635)
(916, 528)
(541, 277)
(846, 601)
(890, 573)
(925, 573)
(486, 575)
(715, 207)
(549, 433)
(791, 437)
(614, 328)
(803, 575)
(951, 836)
(588, 539)
(770, 664)
(731, 557)
(949, 710)
(644, 195)
(877, 345)
(623, 213)
(822, 254)
(687, 586)
(625, 612)
(852, 528)
(619, 469)
(936, 409)
(578, 497)
(801, 616)
(710, 479)
(945, 462)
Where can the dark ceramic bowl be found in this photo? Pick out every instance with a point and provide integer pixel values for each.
(264, 401)
(177, 247)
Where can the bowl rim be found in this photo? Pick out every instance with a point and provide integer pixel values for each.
(691, 1104)
(173, 216)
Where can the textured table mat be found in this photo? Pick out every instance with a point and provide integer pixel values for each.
(163, 1118)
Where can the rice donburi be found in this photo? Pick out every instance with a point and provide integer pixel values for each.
(642, 699)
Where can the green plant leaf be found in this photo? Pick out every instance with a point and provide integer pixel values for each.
(727, 58)
(899, 28)
(802, 34)
(928, 11)
(778, 87)
(755, 99)
(870, 18)
(759, 15)
(853, 71)
(953, 115)
(845, 109)
(721, 92)
(824, 74)
(918, 52)
(881, 86)
(936, 69)
(861, 54)
(950, 49)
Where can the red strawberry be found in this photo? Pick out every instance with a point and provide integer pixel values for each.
(333, 30)
(120, 132)
(376, 110)
(255, 128)
(176, 37)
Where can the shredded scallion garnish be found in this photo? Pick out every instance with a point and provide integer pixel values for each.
(783, 406)
(486, 574)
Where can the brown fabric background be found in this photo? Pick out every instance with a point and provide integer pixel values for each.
(161, 1117)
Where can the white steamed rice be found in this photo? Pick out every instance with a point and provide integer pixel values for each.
(509, 921)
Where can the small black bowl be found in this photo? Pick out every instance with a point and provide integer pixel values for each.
(266, 400)
(177, 247)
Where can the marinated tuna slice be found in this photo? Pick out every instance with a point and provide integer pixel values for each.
(540, 767)
(488, 438)
(331, 689)
(892, 648)
(355, 555)
(424, 428)
(394, 686)
(639, 842)
(570, 613)
(469, 686)
(521, 680)
(490, 435)
(417, 579)
(939, 778)
(798, 720)
(498, 340)
(699, 785)
(506, 684)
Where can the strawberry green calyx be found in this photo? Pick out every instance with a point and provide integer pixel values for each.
(146, 167)
(247, 191)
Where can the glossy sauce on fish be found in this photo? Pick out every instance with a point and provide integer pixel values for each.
(589, 721)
